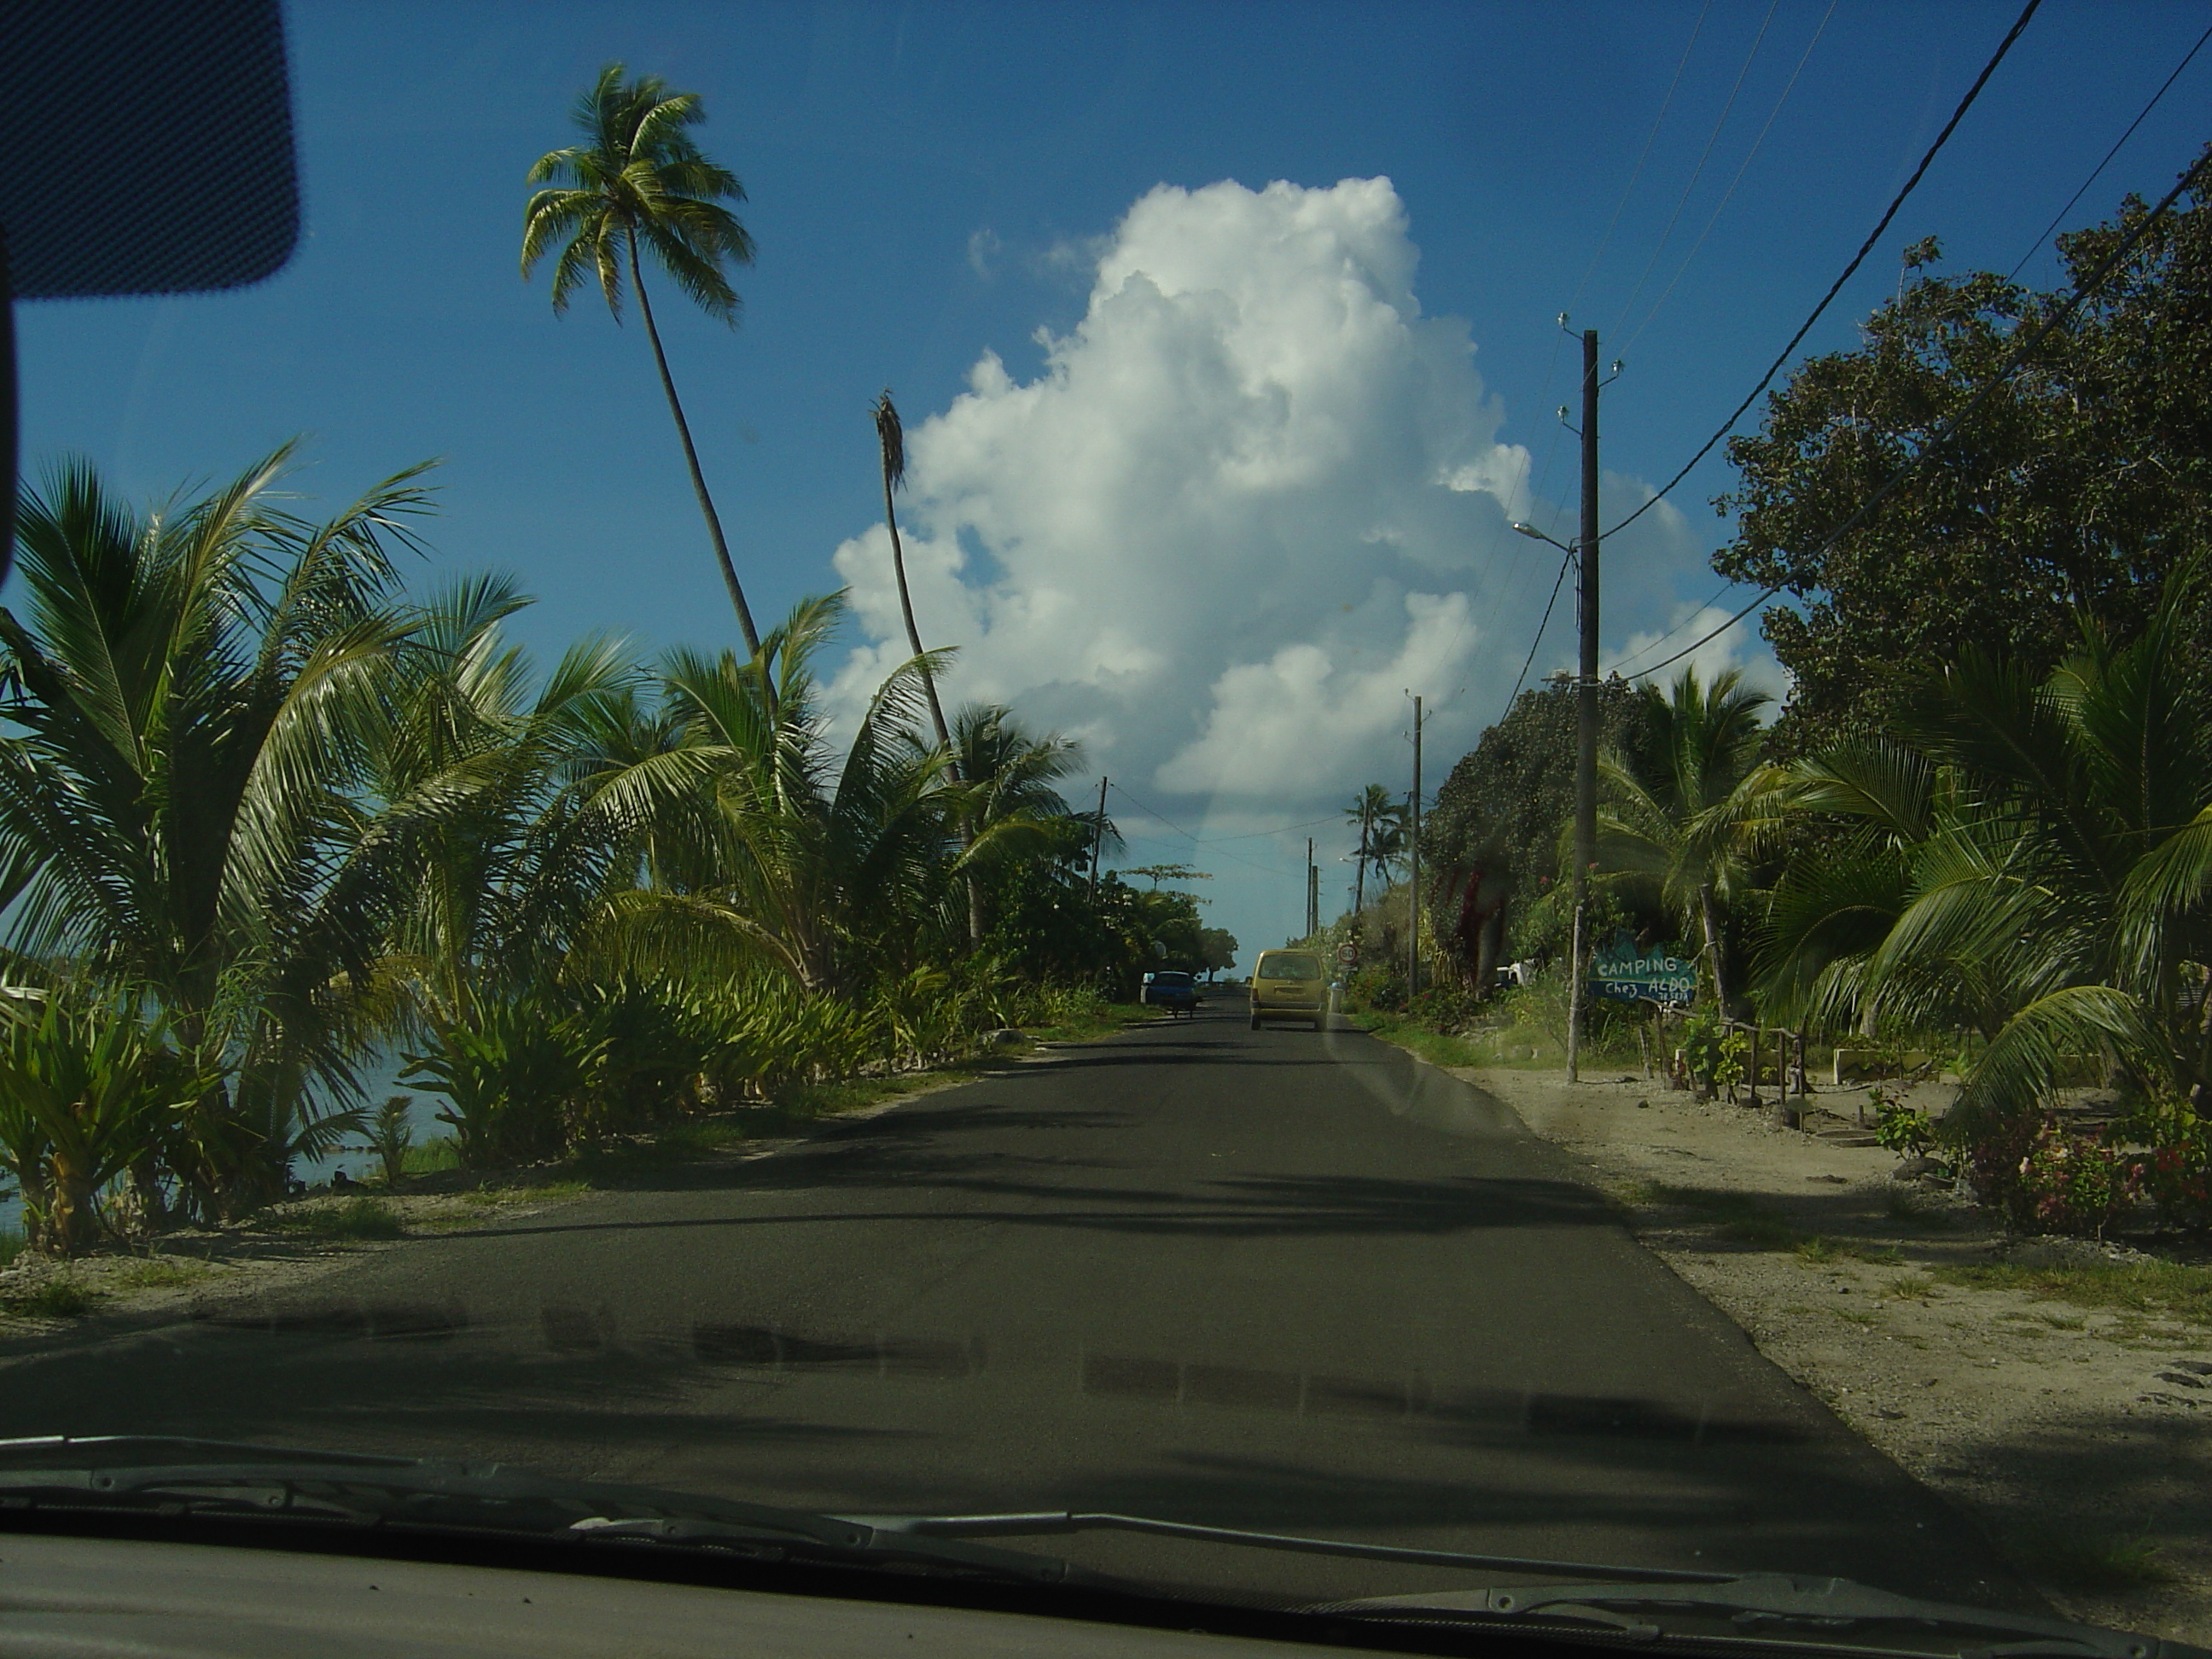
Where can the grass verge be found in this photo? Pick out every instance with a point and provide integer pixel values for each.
(357, 1219)
(1104, 1020)
(2087, 1561)
(60, 1297)
(2166, 1289)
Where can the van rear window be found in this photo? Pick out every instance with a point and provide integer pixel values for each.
(1290, 968)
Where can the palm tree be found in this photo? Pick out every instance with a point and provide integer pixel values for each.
(2037, 864)
(1381, 820)
(891, 440)
(641, 178)
(1689, 815)
(193, 695)
(775, 851)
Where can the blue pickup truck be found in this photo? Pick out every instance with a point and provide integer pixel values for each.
(1176, 993)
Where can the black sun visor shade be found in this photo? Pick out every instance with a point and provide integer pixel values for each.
(145, 148)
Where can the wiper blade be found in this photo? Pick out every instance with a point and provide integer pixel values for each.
(218, 1479)
(1767, 1613)
(1042, 1524)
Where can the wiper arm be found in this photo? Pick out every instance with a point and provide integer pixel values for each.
(1767, 1613)
(1044, 1523)
(215, 1480)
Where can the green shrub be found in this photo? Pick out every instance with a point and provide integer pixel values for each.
(1713, 1054)
(1904, 1130)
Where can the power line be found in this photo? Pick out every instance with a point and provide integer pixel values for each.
(2064, 314)
(1689, 621)
(1164, 818)
(2107, 162)
(1522, 676)
(1699, 171)
(1857, 259)
(1727, 195)
(2164, 88)
(1551, 368)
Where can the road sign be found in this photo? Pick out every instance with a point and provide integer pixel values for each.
(1347, 954)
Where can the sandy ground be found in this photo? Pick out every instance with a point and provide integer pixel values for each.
(2076, 1438)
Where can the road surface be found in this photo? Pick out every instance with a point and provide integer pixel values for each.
(1281, 1280)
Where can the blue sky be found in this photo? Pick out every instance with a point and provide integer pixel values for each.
(1229, 624)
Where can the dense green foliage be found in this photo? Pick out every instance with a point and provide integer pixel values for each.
(266, 815)
(2082, 485)
(1506, 804)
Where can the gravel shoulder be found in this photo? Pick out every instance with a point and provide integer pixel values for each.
(2070, 1424)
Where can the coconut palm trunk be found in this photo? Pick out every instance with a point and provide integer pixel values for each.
(1708, 916)
(890, 438)
(698, 477)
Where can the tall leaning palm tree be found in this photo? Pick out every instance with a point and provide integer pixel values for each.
(638, 178)
(890, 441)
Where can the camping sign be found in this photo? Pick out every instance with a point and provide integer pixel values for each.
(1628, 972)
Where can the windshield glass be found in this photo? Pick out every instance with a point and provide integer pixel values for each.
(602, 777)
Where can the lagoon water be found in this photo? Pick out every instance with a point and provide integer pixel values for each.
(379, 1081)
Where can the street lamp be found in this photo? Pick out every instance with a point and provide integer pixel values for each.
(1536, 535)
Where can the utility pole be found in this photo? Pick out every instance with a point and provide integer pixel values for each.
(1585, 711)
(1311, 925)
(1414, 869)
(1097, 834)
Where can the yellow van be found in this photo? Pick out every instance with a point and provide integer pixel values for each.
(1289, 985)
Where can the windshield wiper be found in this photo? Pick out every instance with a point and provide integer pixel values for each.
(1042, 1524)
(213, 1479)
(1826, 1616)
(1637, 1605)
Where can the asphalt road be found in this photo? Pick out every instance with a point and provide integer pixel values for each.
(1276, 1280)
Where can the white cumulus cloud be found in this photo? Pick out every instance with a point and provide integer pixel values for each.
(1251, 500)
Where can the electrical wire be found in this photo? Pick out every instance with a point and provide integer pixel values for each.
(1727, 195)
(1518, 680)
(1690, 621)
(1699, 171)
(1866, 247)
(2094, 173)
(2064, 314)
(1164, 818)
(1551, 367)
(2043, 236)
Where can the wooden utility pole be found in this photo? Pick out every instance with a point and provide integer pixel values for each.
(1586, 560)
(1097, 834)
(1313, 892)
(1413, 871)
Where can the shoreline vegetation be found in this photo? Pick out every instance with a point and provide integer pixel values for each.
(435, 1195)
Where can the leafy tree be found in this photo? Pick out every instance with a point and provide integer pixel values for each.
(1686, 815)
(2082, 484)
(1216, 948)
(639, 176)
(1506, 802)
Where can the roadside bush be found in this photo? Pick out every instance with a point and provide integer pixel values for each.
(2175, 1173)
(1715, 1056)
(1902, 1129)
(1443, 1007)
(2048, 1178)
(1380, 986)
